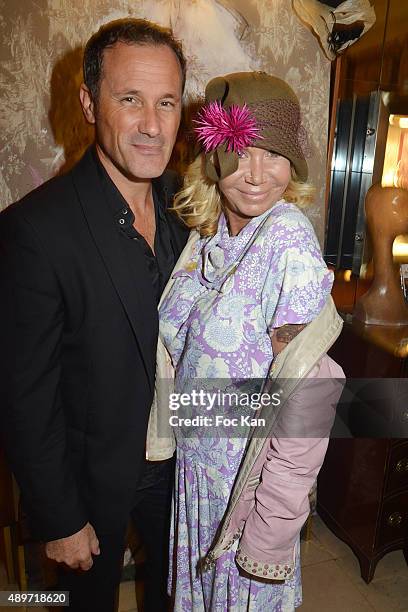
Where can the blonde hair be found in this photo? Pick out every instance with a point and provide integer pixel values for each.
(198, 204)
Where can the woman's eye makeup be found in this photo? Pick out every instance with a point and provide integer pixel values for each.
(268, 154)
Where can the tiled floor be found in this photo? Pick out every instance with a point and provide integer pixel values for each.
(331, 580)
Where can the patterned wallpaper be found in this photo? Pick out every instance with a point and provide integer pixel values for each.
(42, 129)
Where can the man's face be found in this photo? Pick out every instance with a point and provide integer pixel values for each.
(138, 110)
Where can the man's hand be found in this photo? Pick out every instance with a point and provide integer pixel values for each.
(76, 550)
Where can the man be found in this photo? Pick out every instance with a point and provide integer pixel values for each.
(84, 259)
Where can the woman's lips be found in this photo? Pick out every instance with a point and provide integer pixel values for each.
(254, 195)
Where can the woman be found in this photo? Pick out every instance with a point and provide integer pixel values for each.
(250, 280)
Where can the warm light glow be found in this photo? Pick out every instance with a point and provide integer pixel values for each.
(388, 178)
(400, 121)
(347, 276)
(400, 249)
(396, 158)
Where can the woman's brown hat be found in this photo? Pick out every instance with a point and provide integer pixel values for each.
(275, 108)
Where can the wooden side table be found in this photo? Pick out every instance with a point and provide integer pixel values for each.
(363, 484)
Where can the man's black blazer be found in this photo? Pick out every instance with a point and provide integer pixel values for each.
(78, 342)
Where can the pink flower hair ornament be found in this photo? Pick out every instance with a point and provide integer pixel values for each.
(236, 127)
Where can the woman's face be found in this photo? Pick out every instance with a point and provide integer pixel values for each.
(258, 183)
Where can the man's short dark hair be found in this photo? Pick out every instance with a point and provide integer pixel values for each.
(131, 32)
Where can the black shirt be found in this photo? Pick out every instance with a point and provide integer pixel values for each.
(160, 263)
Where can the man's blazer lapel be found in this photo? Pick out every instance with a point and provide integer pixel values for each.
(107, 240)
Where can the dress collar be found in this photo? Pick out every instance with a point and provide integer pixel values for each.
(221, 255)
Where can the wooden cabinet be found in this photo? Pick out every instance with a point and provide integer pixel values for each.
(363, 497)
(363, 485)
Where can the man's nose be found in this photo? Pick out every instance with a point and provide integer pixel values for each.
(149, 123)
(255, 175)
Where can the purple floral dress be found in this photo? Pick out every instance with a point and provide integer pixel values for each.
(215, 322)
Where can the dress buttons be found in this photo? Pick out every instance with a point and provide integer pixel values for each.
(122, 221)
(125, 211)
